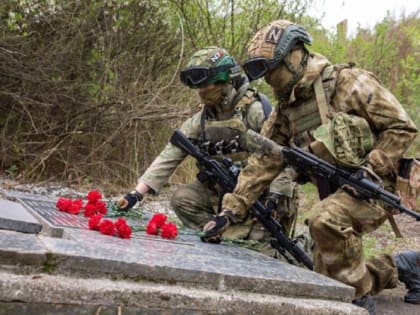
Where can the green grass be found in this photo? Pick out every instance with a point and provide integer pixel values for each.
(50, 264)
(308, 196)
(371, 247)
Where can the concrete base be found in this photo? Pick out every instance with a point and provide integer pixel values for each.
(150, 298)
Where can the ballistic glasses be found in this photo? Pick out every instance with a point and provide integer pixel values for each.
(198, 76)
(258, 67)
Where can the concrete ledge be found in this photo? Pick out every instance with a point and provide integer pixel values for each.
(171, 299)
(21, 248)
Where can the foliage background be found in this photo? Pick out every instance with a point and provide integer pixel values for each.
(89, 89)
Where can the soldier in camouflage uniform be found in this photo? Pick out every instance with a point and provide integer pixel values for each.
(230, 108)
(342, 114)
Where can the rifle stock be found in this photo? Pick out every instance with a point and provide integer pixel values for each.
(310, 164)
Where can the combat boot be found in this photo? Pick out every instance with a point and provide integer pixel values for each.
(408, 264)
(366, 301)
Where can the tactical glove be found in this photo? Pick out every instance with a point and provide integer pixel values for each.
(365, 172)
(129, 201)
(214, 229)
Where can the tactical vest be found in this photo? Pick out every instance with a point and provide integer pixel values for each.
(308, 114)
(336, 137)
(227, 137)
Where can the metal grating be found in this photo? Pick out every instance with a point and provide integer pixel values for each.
(48, 211)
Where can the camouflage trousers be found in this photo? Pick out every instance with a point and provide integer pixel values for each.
(195, 204)
(337, 225)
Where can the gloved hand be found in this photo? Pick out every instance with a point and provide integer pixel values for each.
(365, 172)
(213, 229)
(129, 201)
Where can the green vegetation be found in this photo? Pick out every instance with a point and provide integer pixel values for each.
(50, 264)
(89, 90)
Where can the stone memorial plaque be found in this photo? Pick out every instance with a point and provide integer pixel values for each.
(56, 221)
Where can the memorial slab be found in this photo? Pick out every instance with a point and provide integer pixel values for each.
(219, 267)
(54, 222)
(14, 217)
(70, 248)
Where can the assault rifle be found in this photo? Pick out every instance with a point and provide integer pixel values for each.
(311, 165)
(225, 174)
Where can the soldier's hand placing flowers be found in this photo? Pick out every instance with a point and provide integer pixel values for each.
(129, 200)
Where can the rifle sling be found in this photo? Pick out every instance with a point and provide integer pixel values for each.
(394, 226)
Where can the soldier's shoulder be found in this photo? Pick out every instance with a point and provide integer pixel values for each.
(191, 126)
(352, 74)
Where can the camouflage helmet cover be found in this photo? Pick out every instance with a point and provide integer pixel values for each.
(212, 56)
(277, 39)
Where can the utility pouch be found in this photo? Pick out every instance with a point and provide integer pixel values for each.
(347, 138)
(408, 183)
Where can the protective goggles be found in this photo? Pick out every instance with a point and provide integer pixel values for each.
(199, 76)
(258, 67)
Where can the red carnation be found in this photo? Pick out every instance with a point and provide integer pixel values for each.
(101, 206)
(94, 222)
(93, 196)
(63, 204)
(96, 207)
(107, 227)
(169, 230)
(75, 206)
(123, 229)
(90, 210)
(120, 221)
(151, 228)
(159, 219)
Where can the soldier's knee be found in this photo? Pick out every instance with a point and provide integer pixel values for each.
(318, 224)
(179, 199)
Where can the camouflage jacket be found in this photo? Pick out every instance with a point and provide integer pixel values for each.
(357, 92)
(251, 115)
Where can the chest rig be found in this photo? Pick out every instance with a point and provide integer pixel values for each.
(312, 107)
(226, 137)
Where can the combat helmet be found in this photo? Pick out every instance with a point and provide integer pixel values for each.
(269, 47)
(209, 65)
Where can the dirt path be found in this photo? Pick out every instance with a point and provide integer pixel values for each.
(390, 302)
